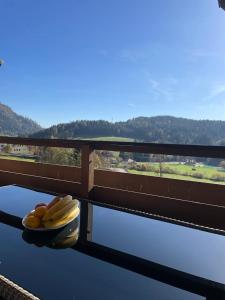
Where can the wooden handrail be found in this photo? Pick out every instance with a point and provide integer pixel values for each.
(168, 149)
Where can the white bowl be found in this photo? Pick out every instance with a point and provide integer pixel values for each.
(53, 228)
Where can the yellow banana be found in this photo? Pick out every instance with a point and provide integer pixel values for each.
(66, 242)
(56, 207)
(53, 202)
(52, 224)
(64, 211)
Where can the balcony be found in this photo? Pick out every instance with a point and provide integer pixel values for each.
(190, 204)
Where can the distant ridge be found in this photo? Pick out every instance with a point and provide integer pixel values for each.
(13, 124)
(159, 129)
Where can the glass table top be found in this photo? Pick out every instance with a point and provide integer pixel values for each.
(54, 267)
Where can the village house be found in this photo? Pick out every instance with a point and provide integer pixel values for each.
(19, 149)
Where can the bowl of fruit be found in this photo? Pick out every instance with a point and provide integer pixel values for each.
(54, 215)
(62, 238)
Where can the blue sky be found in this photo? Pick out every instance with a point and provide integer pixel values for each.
(112, 59)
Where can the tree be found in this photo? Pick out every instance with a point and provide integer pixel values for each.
(60, 156)
(75, 157)
(98, 160)
(160, 158)
(141, 157)
(7, 148)
(126, 155)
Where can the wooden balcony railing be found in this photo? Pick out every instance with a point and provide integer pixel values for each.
(187, 203)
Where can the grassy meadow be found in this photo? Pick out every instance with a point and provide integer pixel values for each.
(10, 157)
(201, 173)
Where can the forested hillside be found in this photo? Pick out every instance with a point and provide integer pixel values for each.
(13, 124)
(161, 129)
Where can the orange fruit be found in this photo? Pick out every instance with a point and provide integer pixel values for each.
(40, 204)
(32, 221)
(40, 211)
(31, 214)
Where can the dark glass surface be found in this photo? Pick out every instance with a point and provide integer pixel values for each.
(186, 249)
(43, 264)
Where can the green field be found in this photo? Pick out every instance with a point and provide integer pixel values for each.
(207, 172)
(3, 156)
(174, 176)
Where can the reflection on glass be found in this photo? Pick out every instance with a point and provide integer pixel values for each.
(78, 235)
(57, 239)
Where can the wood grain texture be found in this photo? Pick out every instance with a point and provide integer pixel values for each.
(49, 185)
(197, 213)
(87, 170)
(181, 189)
(168, 149)
(42, 169)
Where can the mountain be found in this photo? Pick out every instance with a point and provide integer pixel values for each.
(13, 124)
(159, 129)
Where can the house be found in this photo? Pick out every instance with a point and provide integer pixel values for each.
(22, 150)
(2, 147)
(19, 149)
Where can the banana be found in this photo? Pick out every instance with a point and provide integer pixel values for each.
(56, 207)
(65, 243)
(53, 202)
(64, 211)
(59, 222)
(68, 197)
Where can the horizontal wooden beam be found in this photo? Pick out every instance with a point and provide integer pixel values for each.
(168, 149)
(41, 142)
(49, 185)
(178, 211)
(180, 189)
(41, 169)
(157, 217)
(197, 213)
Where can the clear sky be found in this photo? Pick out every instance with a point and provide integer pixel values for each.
(112, 59)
